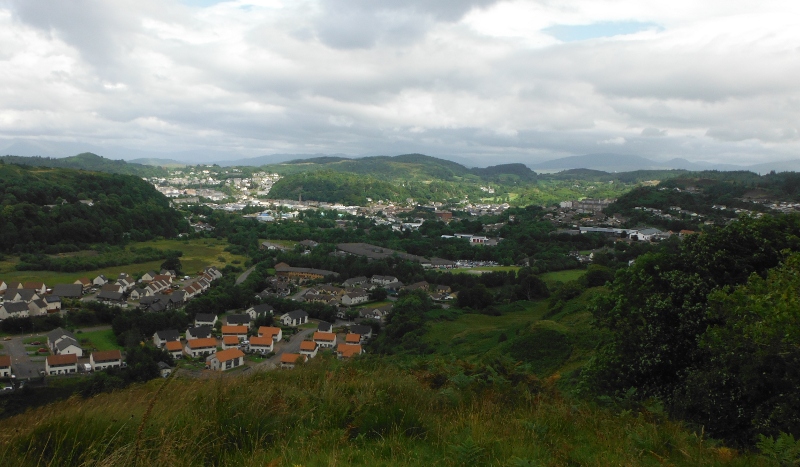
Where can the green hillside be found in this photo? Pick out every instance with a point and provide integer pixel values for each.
(43, 208)
(87, 161)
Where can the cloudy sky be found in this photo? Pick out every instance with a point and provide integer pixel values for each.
(483, 80)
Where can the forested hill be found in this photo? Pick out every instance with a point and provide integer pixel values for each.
(42, 209)
(87, 161)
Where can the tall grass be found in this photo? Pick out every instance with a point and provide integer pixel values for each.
(366, 412)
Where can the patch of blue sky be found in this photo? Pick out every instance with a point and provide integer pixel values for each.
(583, 32)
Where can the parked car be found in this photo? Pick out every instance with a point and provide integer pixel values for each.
(35, 343)
(43, 350)
(6, 338)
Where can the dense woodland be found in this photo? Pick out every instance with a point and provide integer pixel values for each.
(42, 212)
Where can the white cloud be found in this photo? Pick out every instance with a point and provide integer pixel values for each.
(483, 79)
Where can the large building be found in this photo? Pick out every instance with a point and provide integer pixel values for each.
(284, 270)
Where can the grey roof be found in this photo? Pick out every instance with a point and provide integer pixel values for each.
(263, 308)
(238, 319)
(297, 314)
(324, 326)
(205, 317)
(199, 331)
(650, 231)
(58, 333)
(68, 290)
(108, 295)
(66, 342)
(52, 299)
(15, 307)
(355, 280)
(168, 335)
(360, 329)
(156, 307)
(28, 294)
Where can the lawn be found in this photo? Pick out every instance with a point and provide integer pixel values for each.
(563, 276)
(197, 254)
(30, 340)
(98, 340)
(255, 358)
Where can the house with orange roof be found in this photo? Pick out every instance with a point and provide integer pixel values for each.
(5, 366)
(261, 344)
(309, 349)
(348, 350)
(230, 342)
(239, 331)
(271, 331)
(289, 360)
(325, 339)
(174, 348)
(105, 359)
(225, 360)
(199, 347)
(61, 364)
(352, 339)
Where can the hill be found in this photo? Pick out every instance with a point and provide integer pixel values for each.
(169, 163)
(45, 208)
(87, 161)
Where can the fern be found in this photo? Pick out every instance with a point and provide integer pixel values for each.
(468, 453)
(785, 449)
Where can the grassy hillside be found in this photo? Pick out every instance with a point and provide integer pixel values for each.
(362, 413)
(87, 161)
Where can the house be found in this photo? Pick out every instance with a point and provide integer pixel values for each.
(127, 282)
(225, 360)
(272, 332)
(294, 318)
(262, 345)
(37, 307)
(442, 289)
(272, 246)
(198, 332)
(22, 295)
(259, 310)
(113, 288)
(39, 287)
(354, 298)
(53, 303)
(364, 331)
(174, 348)
(394, 287)
(160, 338)
(325, 339)
(149, 276)
(309, 349)
(230, 342)
(201, 346)
(355, 281)
(383, 280)
(105, 359)
(324, 326)
(5, 366)
(100, 280)
(422, 285)
(14, 310)
(213, 273)
(239, 331)
(68, 290)
(378, 313)
(168, 272)
(238, 320)
(352, 339)
(166, 278)
(84, 282)
(111, 298)
(348, 350)
(289, 360)
(61, 364)
(205, 319)
(137, 293)
(165, 369)
(61, 341)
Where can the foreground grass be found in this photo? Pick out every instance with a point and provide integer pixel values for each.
(197, 254)
(361, 413)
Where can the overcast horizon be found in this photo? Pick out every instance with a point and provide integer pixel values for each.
(479, 81)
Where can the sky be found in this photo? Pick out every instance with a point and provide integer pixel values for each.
(484, 81)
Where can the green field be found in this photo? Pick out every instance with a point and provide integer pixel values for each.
(29, 340)
(197, 254)
(562, 276)
(98, 340)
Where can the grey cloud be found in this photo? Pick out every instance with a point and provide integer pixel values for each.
(651, 132)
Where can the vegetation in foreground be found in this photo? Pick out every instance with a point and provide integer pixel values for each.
(367, 412)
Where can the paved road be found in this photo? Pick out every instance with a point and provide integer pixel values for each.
(21, 362)
(244, 275)
(290, 346)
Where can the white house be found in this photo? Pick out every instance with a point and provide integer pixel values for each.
(61, 342)
(309, 349)
(259, 310)
(230, 342)
(205, 319)
(325, 339)
(174, 348)
(14, 310)
(61, 364)
(272, 332)
(225, 359)
(160, 338)
(262, 345)
(354, 298)
(105, 359)
(198, 332)
(239, 332)
(294, 318)
(289, 360)
(100, 280)
(199, 347)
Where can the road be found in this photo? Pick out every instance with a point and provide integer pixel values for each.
(244, 275)
(290, 346)
(21, 362)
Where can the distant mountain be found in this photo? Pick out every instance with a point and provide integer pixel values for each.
(275, 159)
(158, 162)
(610, 162)
(86, 161)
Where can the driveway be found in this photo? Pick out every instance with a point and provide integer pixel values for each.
(290, 346)
(21, 362)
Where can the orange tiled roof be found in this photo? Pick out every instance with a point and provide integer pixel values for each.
(106, 356)
(324, 336)
(268, 331)
(174, 345)
(230, 340)
(204, 342)
(308, 345)
(5, 361)
(353, 339)
(291, 357)
(230, 354)
(234, 329)
(261, 340)
(63, 359)
(348, 350)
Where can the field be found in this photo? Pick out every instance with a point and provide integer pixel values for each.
(480, 270)
(197, 254)
(98, 340)
(562, 276)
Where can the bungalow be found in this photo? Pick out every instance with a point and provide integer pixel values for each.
(309, 349)
(105, 359)
(354, 298)
(289, 360)
(5, 366)
(205, 319)
(378, 313)
(14, 310)
(272, 332)
(238, 320)
(383, 280)
(225, 360)
(230, 342)
(160, 338)
(68, 290)
(174, 348)
(325, 339)
(165, 369)
(199, 347)
(259, 310)
(61, 364)
(111, 298)
(100, 280)
(324, 326)
(240, 332)
(262, 345)
(84, 282)
(352, 339)
(39, 287)
(272, 246)
(168, 272)
(364, 331)
(294, 318)
(348, 350)
(198, 332)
